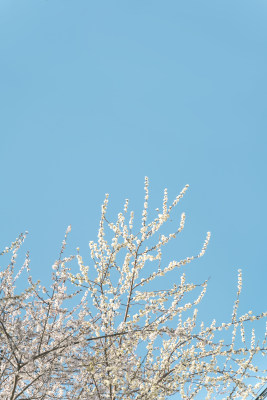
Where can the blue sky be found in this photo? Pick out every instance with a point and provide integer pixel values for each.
(95, 95)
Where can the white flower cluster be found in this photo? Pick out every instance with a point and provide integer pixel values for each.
(103, 333)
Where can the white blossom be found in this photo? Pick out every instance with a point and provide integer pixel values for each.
(103, 333)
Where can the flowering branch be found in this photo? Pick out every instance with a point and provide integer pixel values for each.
(106, 333)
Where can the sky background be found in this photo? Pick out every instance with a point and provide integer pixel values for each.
(95, 95)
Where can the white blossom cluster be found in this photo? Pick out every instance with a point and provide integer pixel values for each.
(117, 338)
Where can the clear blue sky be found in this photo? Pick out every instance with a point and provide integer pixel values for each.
(97, 94)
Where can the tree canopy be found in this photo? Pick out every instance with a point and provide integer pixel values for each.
(107, 333)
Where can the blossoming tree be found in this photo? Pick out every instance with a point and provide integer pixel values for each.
(119, 338)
